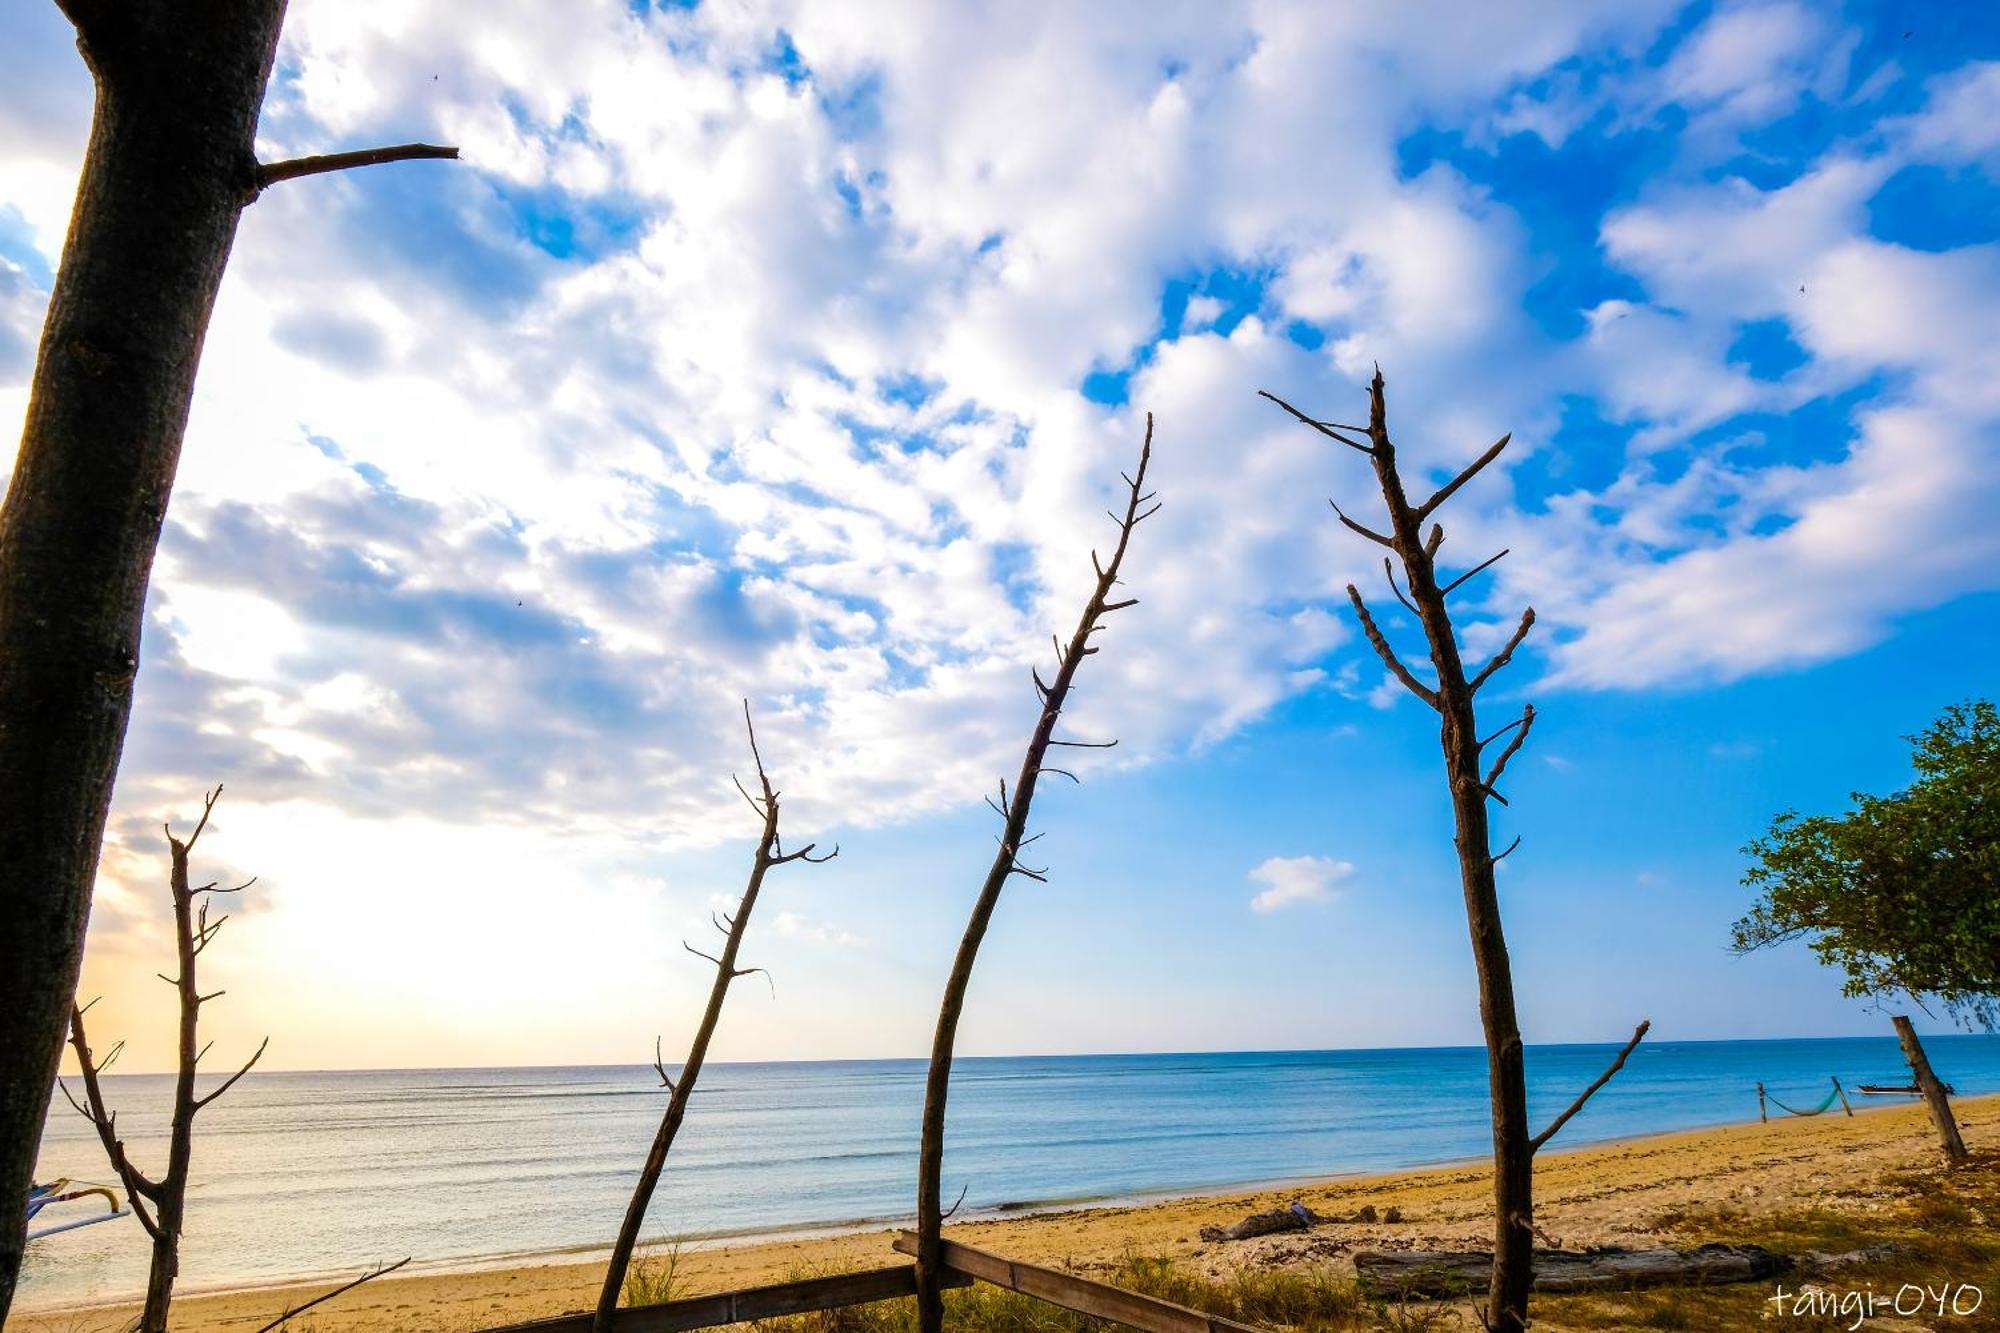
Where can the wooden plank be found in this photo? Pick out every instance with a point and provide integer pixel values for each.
(1080, 1294)
(736, 1307)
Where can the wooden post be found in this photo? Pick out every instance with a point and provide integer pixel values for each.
(1934, 1093)
(1843, 1096)
(1763, 1116)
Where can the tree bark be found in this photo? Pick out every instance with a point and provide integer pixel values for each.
(1934, 1094)
(1458, 737)
(1014, 814)
(169, 167)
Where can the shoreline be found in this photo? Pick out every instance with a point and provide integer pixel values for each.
(1589, 1194)
(594, 1253)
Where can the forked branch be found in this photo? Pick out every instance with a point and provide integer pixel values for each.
(1526, 724)
(1326, 428)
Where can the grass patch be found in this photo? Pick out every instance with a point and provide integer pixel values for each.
(1319, 1299)
(656, 1277)
(1944, 1225)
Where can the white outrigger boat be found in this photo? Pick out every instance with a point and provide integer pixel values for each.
(41, 1196)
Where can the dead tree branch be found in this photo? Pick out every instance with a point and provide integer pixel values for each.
(167, 1195)
(1139, 506)
(270, 173)
(1505, 655)
(341, 1290)
(768, 855)
(1526, 724)
(1477, 465)
(1638, 1035)
(1386, 653)
(1479, 568)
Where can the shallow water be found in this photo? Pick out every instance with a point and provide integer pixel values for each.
(312, 1173)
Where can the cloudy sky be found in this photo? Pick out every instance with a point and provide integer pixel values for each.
(791, 352)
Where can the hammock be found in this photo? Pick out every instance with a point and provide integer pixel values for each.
(41, 1196)
(1831, 1097)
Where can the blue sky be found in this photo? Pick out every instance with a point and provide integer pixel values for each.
(791, 352)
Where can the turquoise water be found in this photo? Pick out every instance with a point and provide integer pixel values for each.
(313, 1173)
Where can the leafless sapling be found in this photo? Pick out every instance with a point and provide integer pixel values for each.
(1474, 780)
(170, 166)
(1012, 807)
(160, 1203)
(732, 926)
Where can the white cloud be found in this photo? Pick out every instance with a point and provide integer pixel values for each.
(1290, 880)
(795, 927)
(797, 416)
(1747, 62)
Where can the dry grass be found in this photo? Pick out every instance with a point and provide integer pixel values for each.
(1943, 1227)
(1319, 1299)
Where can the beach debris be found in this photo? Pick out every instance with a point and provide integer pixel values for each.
(1433, 1274)
(1819, 1261)
(1298, 1217)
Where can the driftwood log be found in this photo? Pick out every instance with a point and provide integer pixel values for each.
(1298, 1217)
(1434, 1274)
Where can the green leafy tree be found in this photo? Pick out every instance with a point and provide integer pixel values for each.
(1903, 892)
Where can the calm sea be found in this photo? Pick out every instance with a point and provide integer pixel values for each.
(316, 1173)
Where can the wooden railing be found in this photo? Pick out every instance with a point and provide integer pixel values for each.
(1080, 1294)
(963, 1265)
(746, 1304)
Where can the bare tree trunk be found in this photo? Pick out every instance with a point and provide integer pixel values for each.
(163, 183)
(1472, 784)
(1013, 811)
(733, 928)
(167, 1195)
(169, 167)
(1933, 1090)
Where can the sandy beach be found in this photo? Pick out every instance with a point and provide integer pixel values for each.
(1623, 1193)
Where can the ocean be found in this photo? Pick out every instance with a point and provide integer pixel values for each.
(309, 1174)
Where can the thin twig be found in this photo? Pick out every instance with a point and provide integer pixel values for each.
(1520, 738)
(1639, 1035)
(1323, 427)
(1505, 655)
(337, 1291)
(1424, 510)
(1453, 586)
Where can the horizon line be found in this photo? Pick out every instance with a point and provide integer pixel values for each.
(1070, 1055)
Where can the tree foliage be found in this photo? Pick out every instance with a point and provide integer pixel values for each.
(1902, 893)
